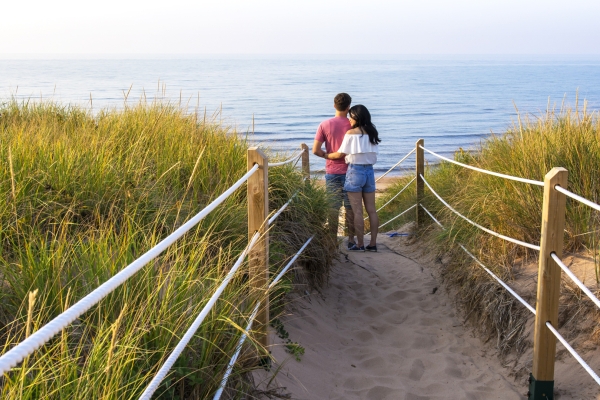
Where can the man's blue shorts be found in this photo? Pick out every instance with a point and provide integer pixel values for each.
(360, 178)
(335, 184)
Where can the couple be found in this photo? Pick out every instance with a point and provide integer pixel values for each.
(352, 144)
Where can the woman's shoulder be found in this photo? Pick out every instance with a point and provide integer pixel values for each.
(354, 131)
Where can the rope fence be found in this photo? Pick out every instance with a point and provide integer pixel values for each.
(485, 171)
(395, 165)
(258, 238)
(396, 217)
(491, 232)
(393, 198)
(571, 350)
(238, 350)
(588, 369)
(256, 178)
(486, 269)
(45, 333)
(289, 160)
(550, 264)
(292, 261)
(282, 209)
(244, 336)
(572, 195)
(571, 275)
(164, 370)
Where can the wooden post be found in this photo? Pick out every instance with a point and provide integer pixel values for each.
(305, 162)
(420, 218)
(258, 210)
(541, 384)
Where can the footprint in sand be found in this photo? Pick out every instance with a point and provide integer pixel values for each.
(381, 393)
(396, 296)
(429, 322)
(405, 304)
(370, 312)
(452, 368)
(387, 338)
(423, 342)
(364, 336)
(360, 382)
(410, 396)
(373, 363)
(417, 370)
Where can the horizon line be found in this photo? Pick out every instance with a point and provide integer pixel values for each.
(124, 56)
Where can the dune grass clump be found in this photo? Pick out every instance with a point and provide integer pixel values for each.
(82, 197)
(529, 149)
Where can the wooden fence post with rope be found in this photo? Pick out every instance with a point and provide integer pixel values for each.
(420, 167)
(258, 258)
(541, 380)
(305, 162)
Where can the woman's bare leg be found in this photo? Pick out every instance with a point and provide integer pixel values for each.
(356, 199)
(350, 224)
(369, 199)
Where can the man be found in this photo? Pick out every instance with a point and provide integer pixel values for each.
(331, 132)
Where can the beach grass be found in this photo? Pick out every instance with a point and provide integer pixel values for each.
(83, 196)
(569, 138)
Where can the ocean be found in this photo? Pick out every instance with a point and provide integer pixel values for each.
(451, 101)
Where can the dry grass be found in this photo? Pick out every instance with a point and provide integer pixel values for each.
(82, 197)
(567, 138)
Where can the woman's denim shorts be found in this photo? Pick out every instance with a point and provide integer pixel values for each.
(360, 178)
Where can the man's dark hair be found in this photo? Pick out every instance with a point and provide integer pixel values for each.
(342, 101)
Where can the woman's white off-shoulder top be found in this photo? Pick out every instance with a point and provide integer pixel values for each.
(358, 149)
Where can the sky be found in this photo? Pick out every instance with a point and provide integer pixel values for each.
(328, 27)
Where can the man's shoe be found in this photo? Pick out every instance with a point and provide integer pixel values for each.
(356, 248)
(371, 248)
(350, 245)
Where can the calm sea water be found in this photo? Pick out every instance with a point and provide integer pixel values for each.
(451, 102)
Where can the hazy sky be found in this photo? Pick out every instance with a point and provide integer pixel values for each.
(300, 27)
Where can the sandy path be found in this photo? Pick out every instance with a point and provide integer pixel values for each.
(383, 330)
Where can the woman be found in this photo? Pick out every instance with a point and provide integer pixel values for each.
(360, 148)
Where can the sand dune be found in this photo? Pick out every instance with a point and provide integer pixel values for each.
(385, 329)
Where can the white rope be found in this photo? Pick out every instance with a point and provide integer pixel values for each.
(397, 216)
(585, 366)
(485, 171)
(392, 199)
(500, 281)
(432, 217)
(530, 308)
(244, 335)
(507, 238)
(274, 217)
(164, 370)
(238, 350)
(33, 342)
(398, 163)
(575, 279)
(284, 270)
(294, 158)
(577, 197)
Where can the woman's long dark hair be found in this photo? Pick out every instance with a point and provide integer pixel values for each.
(362, 120)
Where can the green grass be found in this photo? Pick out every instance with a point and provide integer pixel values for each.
(568, 138)
(82, 197)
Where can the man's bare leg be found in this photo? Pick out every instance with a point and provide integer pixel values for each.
(334, 215)
(350, 224)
